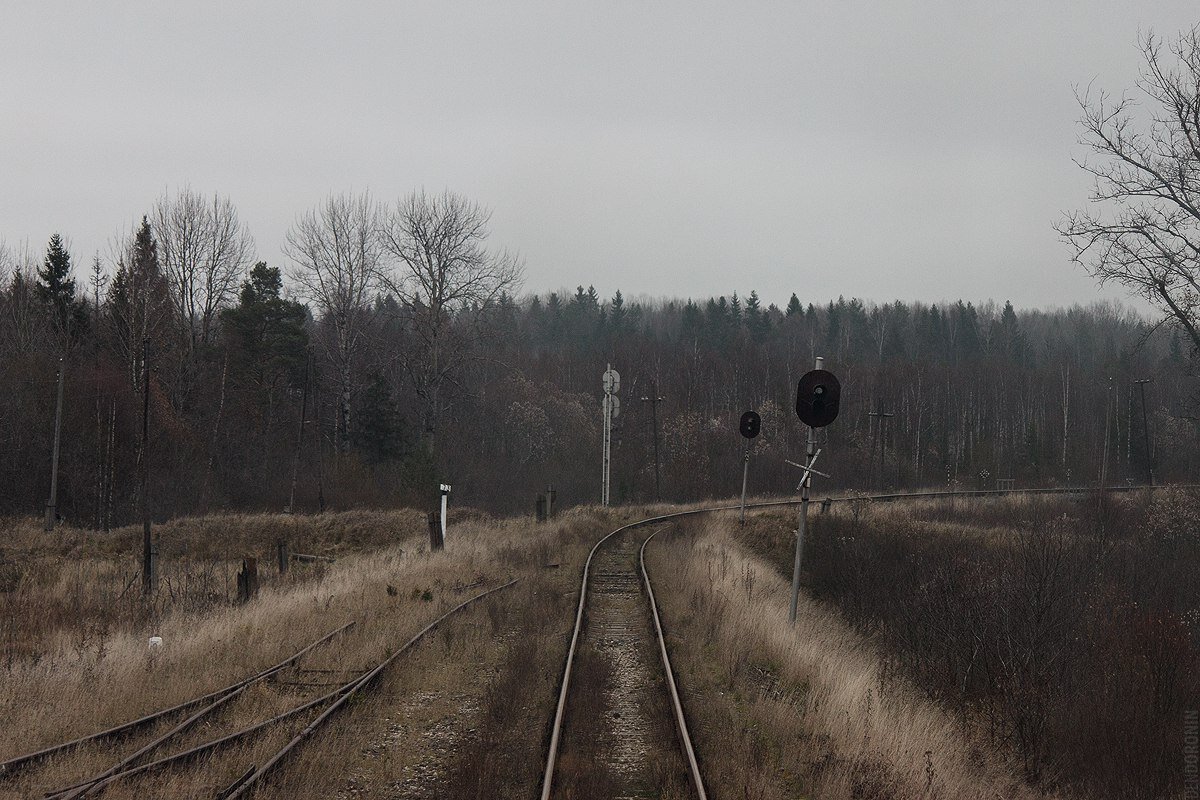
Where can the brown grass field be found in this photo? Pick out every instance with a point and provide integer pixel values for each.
(847, 704)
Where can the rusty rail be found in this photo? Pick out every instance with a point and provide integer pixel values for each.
(247, 781)
(676, 704)
(12, 765)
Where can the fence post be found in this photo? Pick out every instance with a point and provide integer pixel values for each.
(435, 532)
(539, 506)
(281, 548)
(247, 580)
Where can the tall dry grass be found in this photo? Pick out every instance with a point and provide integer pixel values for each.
(67, 689)
(804, 711)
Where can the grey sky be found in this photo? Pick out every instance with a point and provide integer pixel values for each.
(909, 149)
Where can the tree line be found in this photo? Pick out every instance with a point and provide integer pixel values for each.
(392, 351)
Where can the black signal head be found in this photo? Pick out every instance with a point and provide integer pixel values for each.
(817, 396)
(750, 425)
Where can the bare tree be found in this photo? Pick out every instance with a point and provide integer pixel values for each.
(1145, 230)
(26, 323)
(447, 277)
(204, 249)
(336, 255)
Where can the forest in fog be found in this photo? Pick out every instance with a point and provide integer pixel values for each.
(366, 366)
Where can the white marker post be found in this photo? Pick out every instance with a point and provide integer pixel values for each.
(445, 487)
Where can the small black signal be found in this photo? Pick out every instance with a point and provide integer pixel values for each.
(750, 425)
(817, 396)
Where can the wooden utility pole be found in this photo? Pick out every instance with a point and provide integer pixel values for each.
(291, 506)
(654, 400)
(1141, 384)
(149, 568)
(320, 448)
(52, 503)
(882, 415)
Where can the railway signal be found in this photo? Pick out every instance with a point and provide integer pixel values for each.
(817, 397)
(749, 427)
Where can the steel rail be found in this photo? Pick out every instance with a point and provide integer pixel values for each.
(8, 768)
(560, 710)
(213, 744)
(247, 781)
(88, 787)
(677, 705)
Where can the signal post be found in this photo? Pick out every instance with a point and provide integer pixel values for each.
(817, 397)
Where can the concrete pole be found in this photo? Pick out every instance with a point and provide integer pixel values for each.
(745, 477)
(445, 502)
(52, 503)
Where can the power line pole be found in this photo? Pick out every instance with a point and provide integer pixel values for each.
(149, 568)
(52, 503)
(883, 416)
(654, 400)
(291, 506)
(1141, 384)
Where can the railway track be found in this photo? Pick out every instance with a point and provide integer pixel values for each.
(607, 623)
(616, 625)
(137, 763)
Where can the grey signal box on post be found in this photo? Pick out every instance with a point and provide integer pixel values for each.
(817, 396)
(750, 425)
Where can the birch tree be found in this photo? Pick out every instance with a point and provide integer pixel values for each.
(336, 257)
(1143, 227)
(204, 248)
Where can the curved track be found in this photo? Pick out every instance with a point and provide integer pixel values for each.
(684, 739)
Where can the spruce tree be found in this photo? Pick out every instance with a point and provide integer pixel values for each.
(55, 288)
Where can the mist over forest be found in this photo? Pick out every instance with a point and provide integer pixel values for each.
(351, 378)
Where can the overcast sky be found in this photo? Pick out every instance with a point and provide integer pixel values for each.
(911, 150)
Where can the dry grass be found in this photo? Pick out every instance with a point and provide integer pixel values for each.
(74, 684)
(805, 711)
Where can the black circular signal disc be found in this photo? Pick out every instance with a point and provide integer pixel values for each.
(750, 425)
(817, 396)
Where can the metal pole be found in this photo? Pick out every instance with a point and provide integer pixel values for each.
(604, 451)
(52, 503)
(148, 566)
(1146, 431)
(745, 476)
(802, 527)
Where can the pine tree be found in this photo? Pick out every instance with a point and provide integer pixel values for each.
(379, 434)
(793, 306)
(265, 333)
